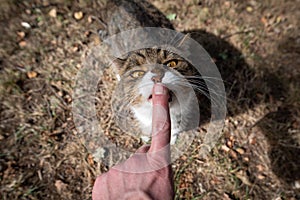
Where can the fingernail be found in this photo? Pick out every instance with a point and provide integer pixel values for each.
(160, 89)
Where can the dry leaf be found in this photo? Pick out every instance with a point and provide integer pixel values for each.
(260, 176)
(279, 19)
(53, 13)
(22, 43)
(60, 93)
(264, 21)
(227, 4)
(21, 34)
(184, 158)
(229, 144)
(225, 148)
(28, 11)
(240, 151)
(31, 74)
(75, 48)
(260, 167)
(60, 186)
(78, 15)
(243, 177)
(233, 155)
(246, 159)
(90, 160)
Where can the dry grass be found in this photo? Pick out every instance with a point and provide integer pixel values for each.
(255, 45)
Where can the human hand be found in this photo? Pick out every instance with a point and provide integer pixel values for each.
(147, 174)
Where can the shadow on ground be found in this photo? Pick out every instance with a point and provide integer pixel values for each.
(247, 88)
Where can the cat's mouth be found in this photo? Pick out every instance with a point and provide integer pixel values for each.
(169, 100)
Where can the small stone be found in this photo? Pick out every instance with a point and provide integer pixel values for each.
(297, 184)
(78, 15)
(53, 13)
(25, 25)
(90, 19)
(249, 9)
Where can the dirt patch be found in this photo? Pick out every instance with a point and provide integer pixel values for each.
(256, 46)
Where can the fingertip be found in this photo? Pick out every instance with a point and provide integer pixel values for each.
(160, 95)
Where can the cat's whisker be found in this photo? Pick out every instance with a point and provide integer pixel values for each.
(203, 91)
(200, 83)
(208, 91)
(212, 85)
(211, 80)
(143, 85)
(204, 77)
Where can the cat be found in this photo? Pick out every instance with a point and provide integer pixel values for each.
(141, 69)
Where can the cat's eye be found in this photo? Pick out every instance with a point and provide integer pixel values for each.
(137, 73)
(172, 63)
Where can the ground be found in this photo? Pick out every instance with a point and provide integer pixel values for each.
(255, 44)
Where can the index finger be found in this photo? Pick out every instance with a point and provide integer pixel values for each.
(161, 131)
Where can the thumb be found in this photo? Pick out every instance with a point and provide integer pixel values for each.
(161, 132)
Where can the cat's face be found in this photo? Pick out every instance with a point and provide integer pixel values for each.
(133, 98)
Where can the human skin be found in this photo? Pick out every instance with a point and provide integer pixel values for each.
(146, 174)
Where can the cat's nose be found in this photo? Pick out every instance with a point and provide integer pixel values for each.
(158, 75)
(157, 79)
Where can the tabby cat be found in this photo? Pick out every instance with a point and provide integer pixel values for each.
(140, 69)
